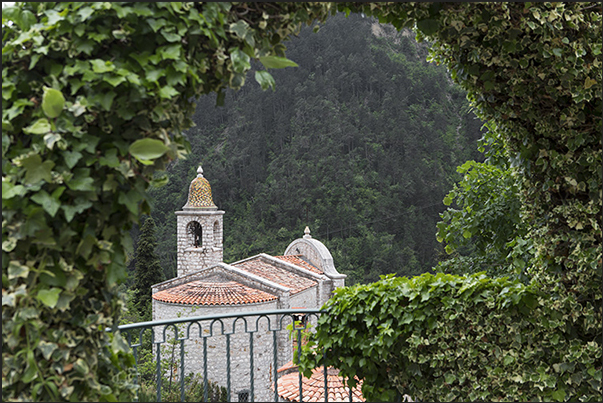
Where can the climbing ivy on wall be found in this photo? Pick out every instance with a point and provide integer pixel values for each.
(95, 97)
(450, 338)
(533, 71)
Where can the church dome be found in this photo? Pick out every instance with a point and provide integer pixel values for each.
(199, 193)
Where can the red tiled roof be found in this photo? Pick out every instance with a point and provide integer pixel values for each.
(298, 261)
(213, 293)
(259, 267)
(287, 366)
(313, 387)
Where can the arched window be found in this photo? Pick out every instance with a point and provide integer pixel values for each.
(216, 234)
(195, 232)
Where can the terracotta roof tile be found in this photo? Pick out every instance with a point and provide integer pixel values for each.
(287, 366)
(261, 268)
(213, 293)
(298, 261)
(313, 388)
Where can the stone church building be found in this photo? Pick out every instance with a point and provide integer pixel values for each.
(304, 276)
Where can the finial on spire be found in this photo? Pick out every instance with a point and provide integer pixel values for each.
(307, 233)
(200, 170)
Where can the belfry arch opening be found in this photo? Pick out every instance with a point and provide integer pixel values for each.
(195, 234)
(216, 234)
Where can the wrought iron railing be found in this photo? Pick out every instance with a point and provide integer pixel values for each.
(217, 346)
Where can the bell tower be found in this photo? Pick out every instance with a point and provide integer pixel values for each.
(200, 236)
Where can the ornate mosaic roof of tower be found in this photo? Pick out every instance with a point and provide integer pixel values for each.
(199, 194)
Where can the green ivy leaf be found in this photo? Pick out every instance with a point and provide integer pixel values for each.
(558, 395)
(50, 204)
(53, 102)
(240, 28)
(102, 66)
(16, 269)
(81, 367)
(148, 149)
(23, 18)
(240, 61)
(51, 138)
(171, 52)
(49, 297)
(429, 26)
(508, 359)
(9, 190)
(47, 348)
(265, 79)
(105, 99)
(114, 80)
(110, 159)
(450, 377)
(40, 126)
(276, 62)
(36, 170)
(171, 36)
(81, 181)
(80, 206)
(130, 200)
(156, 24)
(71, 158)
(168, 92)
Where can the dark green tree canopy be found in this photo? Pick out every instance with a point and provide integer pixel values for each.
(360, 142)
(148, 270)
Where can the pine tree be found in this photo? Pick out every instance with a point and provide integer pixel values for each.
(148, 269)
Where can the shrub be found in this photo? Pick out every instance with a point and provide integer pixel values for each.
(451, 338)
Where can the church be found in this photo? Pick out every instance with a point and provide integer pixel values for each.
(304, 276)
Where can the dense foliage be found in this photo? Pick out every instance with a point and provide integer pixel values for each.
(360, 143)
(449, 338)
(533, 71)
(95, 97)
(482, 233)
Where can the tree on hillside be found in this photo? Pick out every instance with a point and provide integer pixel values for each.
(483, 229)
(148, 270)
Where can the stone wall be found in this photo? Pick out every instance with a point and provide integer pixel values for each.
(318, 255)
(210, 252)
(214, 338)
(305, 299)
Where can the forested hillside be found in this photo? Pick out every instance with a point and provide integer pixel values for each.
(360, 142)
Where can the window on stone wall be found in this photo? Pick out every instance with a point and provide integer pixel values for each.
(216, 234)
(243, 396)
(195, 232)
